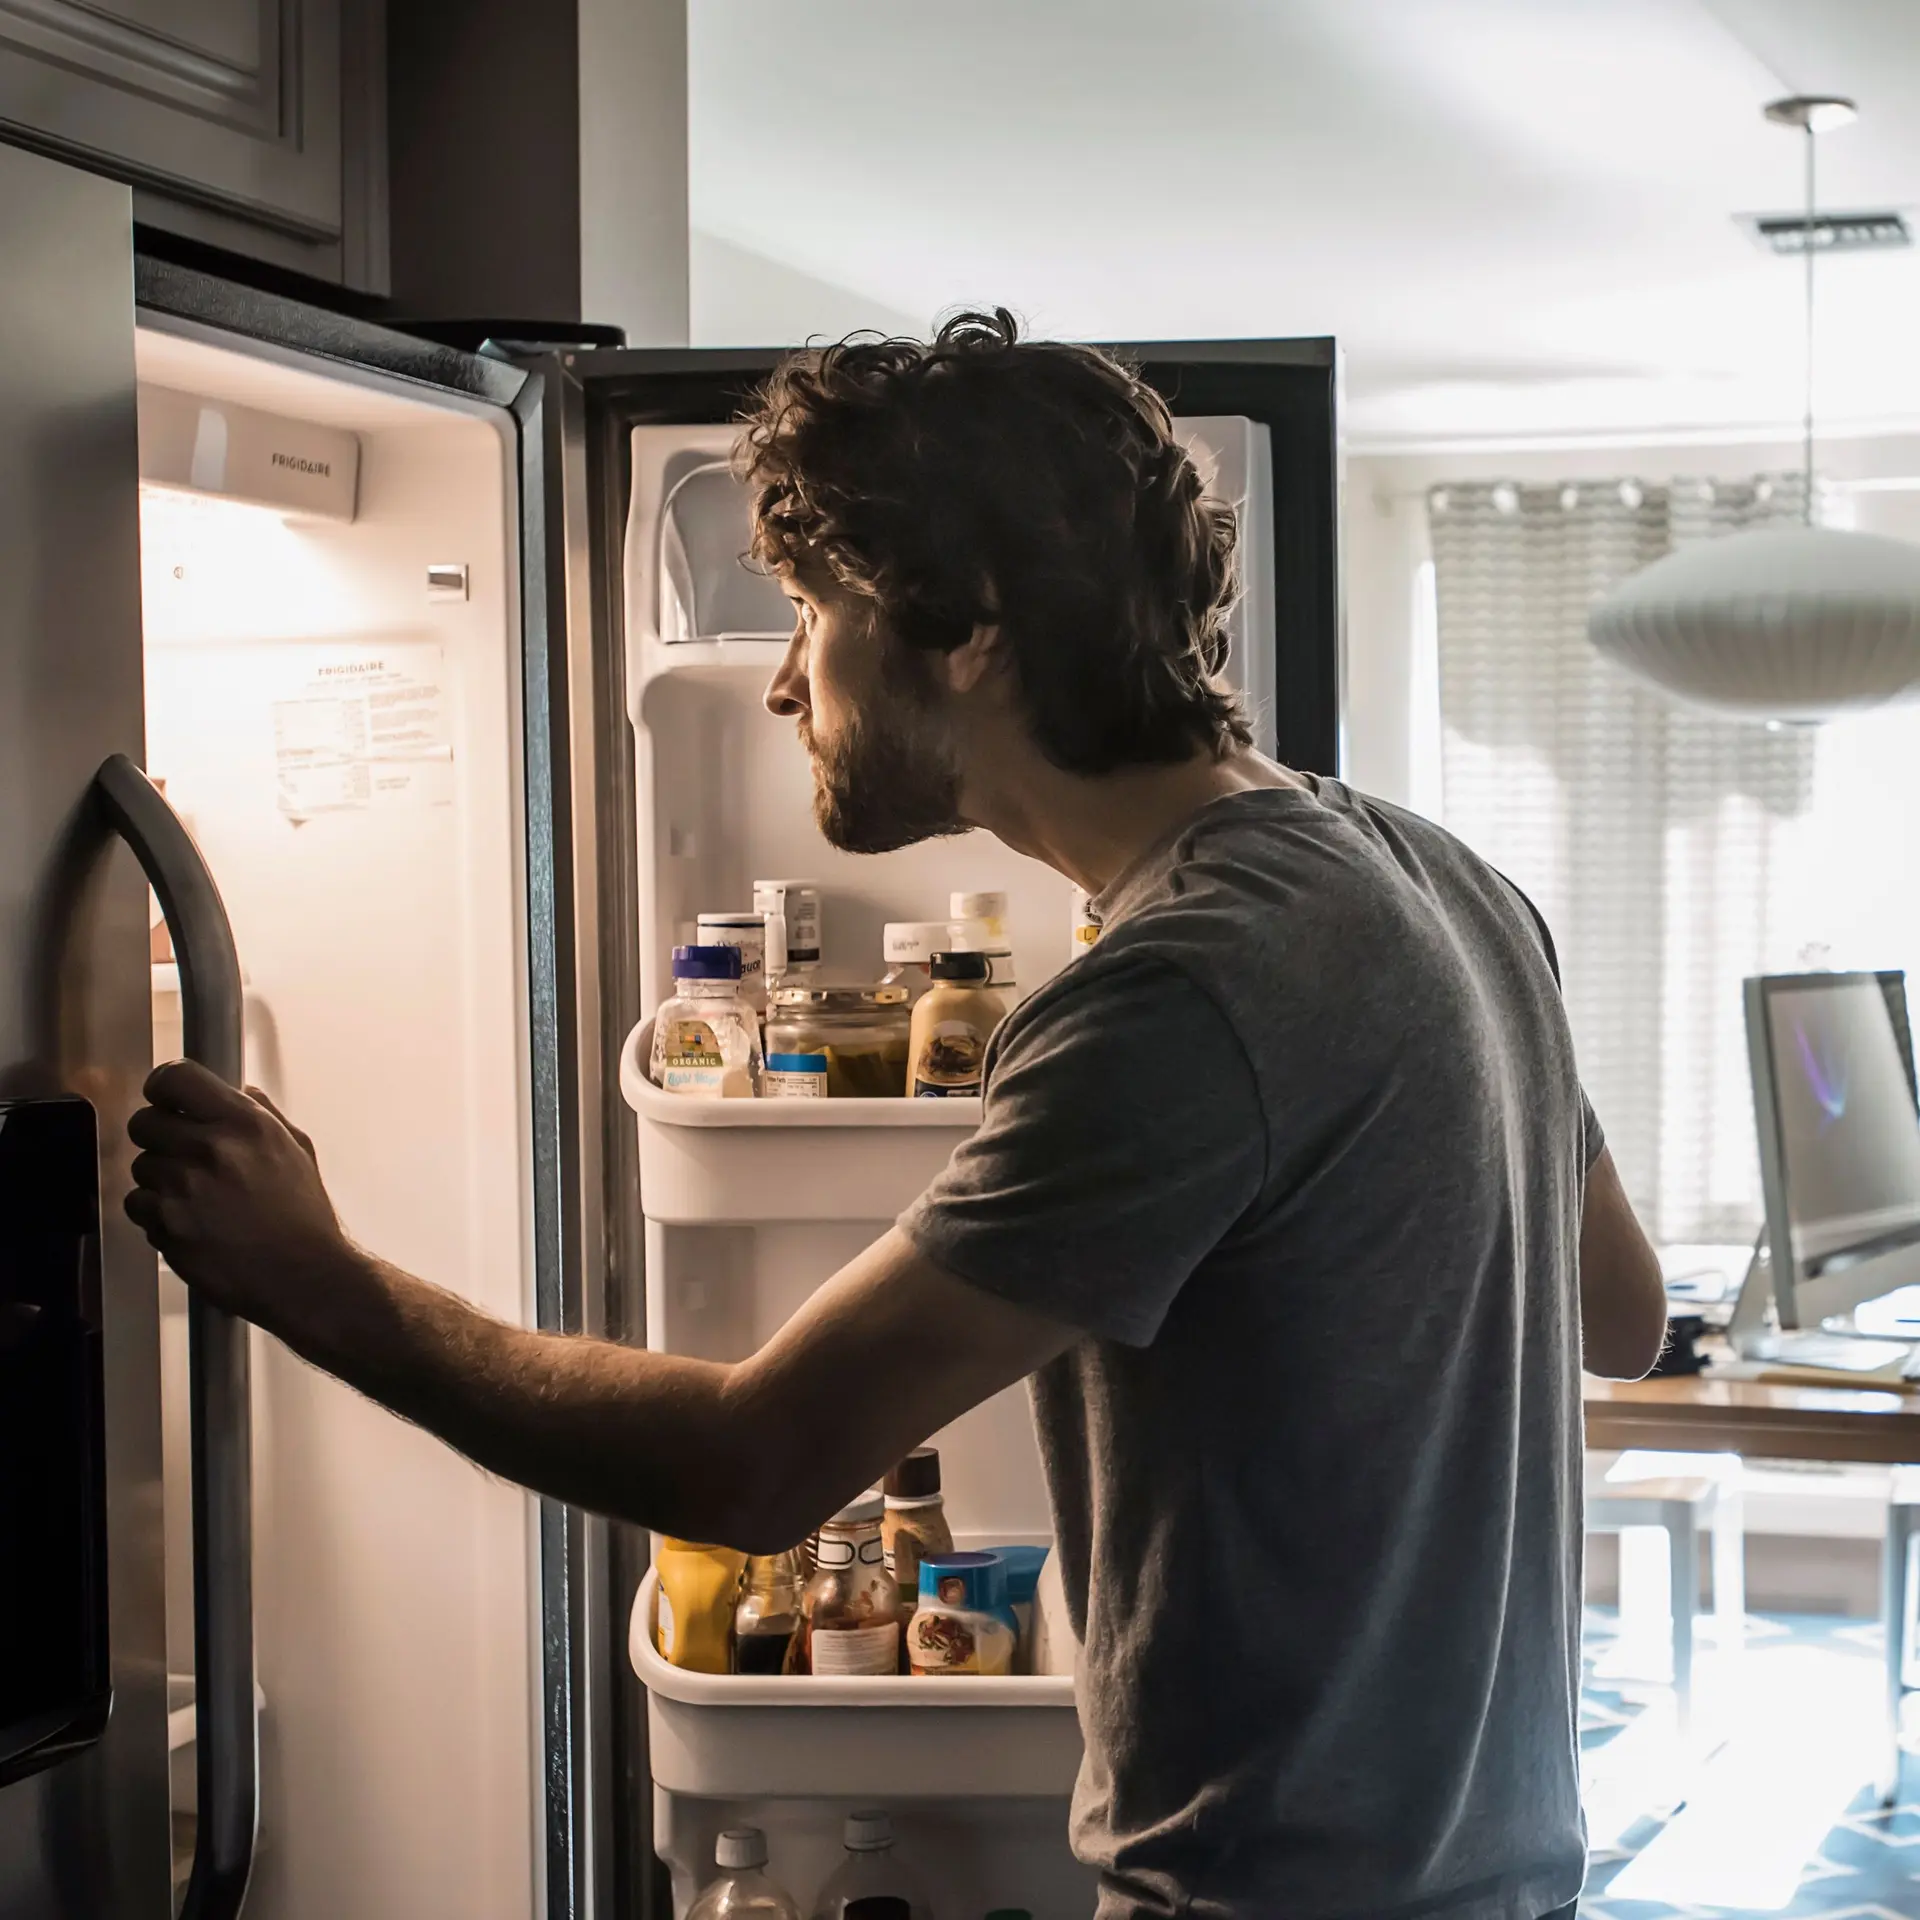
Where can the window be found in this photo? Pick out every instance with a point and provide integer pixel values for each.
(1671, 851)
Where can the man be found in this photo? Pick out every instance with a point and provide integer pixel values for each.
(1286, 1197)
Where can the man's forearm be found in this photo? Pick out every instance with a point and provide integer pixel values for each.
(639, 1436)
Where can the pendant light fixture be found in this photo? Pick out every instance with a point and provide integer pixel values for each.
(1780, 623)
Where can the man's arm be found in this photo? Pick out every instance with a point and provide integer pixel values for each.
(1623, 1300)
(753, 1455)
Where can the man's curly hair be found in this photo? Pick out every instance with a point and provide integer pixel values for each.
(982, 480)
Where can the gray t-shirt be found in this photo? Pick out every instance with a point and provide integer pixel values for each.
(1299, 1146)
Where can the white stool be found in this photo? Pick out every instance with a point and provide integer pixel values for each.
(1896, 1609)
(1680, 1505)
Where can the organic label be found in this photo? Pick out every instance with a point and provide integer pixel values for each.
(693, 1062)
(856, 1649)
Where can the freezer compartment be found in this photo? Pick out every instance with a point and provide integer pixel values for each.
(765, 1160)
(727, 1735)
(342, 736)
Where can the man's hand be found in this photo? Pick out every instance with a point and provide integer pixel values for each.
(229, 1193)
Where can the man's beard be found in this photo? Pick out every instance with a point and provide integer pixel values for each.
(888, 778)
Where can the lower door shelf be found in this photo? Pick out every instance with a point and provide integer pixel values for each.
(731, 1736)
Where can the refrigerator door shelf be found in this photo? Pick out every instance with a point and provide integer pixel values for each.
(748, 1161)
(726, 1736)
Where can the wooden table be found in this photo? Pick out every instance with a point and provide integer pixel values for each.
(1704, 1415)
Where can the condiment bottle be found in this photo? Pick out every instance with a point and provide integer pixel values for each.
(987, 912)
(791, 909)
(850, 1612)
(768, 1616)
(693, 1616)
(743, 1890)
(908, 947)
(870, 1869)
(963, 1623)
(951, 1027)
(706, 1039)
(1086, 923)
(914, 1524)
(748, 932)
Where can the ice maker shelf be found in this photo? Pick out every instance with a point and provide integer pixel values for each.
(725, 660)
(757, 1161)
(724, 1736)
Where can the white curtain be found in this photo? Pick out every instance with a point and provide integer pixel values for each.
(1665, 847)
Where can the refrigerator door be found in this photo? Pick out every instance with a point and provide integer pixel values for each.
(592, 1842)
(87, 1835)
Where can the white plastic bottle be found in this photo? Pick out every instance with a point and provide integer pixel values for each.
(988, 912)
(743, 1887)
(871, 1864)
(706, 1039)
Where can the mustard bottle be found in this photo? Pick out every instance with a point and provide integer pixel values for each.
(693, 1619)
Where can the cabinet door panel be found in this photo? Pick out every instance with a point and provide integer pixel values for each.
(234, 104)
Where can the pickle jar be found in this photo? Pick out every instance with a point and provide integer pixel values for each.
(839, 1043)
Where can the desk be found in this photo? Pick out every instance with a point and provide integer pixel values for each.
(1704, 1415)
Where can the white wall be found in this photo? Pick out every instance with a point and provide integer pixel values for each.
(633, 168)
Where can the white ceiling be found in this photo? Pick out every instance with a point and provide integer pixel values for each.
(1516, 215)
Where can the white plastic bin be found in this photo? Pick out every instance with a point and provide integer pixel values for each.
(748, 1162)
(730, 1736)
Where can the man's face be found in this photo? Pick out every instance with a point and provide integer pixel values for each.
(872, 716)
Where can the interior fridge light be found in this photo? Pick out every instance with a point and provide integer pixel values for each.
(239, 453)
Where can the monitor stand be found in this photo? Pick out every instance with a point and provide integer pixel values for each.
(1754, 1332)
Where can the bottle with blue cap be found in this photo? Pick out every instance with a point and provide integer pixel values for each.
(706, 1040)
(964, 1622)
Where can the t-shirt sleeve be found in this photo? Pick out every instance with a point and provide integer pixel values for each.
(1592, 1139)
(1592, 1136)
(1123, 1137)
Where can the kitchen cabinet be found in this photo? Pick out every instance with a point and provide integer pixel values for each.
(256, 126)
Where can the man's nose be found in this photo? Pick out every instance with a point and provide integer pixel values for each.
(786, 695)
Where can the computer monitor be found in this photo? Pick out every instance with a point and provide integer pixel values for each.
(1839, 1126)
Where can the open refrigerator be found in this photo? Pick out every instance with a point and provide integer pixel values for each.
(448, 665)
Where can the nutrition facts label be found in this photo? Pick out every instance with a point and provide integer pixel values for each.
(367, 730)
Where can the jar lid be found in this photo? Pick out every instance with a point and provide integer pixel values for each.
(870, 1506)
(867, 1830)
(745, 921)
(961, 966)
(974, 1581)
(706, 963)
(878, 1906)
(815, 999)
(917, 1477)
(740, 1847)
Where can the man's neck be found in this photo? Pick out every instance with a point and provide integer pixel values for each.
(1093, 828)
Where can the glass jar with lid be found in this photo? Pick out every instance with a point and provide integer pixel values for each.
(837, 1042)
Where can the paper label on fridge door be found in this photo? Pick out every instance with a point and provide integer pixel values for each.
(367, 730)
(856, 1649)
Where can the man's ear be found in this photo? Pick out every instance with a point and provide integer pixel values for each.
(973, 659)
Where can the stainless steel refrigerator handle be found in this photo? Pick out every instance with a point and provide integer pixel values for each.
(226, 1745)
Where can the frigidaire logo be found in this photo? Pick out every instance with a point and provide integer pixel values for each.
(300, 464)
